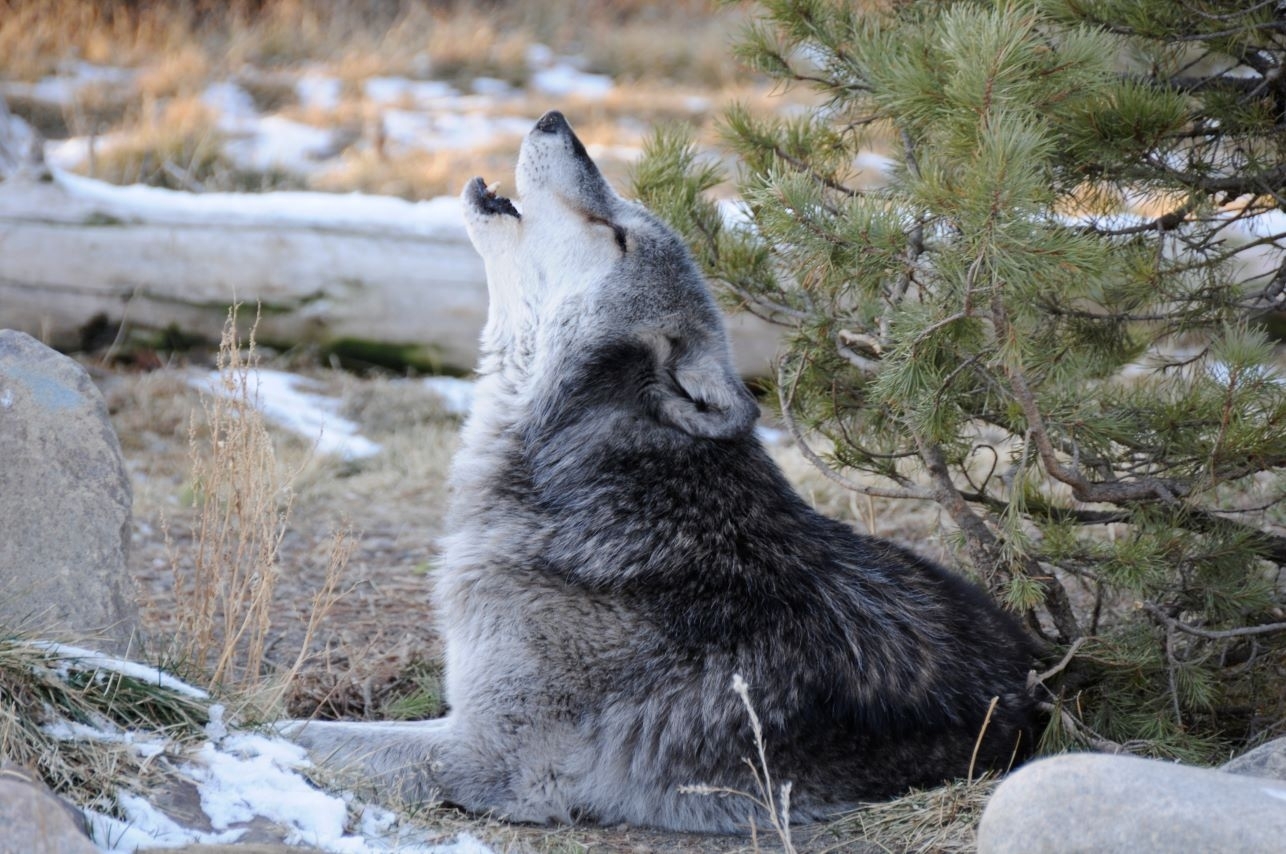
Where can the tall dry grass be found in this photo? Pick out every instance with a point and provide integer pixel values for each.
(224, 591)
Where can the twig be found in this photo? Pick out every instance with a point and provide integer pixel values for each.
(1082, 732)
(785, 400)
(981, 733)
(1062, 664)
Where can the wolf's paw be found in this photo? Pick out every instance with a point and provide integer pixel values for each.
(482, 199)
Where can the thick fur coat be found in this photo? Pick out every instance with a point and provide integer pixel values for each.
(621, 546)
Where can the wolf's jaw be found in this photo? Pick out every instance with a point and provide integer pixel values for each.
(485, 200)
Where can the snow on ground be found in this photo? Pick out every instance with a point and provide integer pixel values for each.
(68, 87)
(84, 658)
(563, 79)
(456, 394)
(400, 90)
(460, 131)
(293, 402)
(439, 217)
(428, 115)
(280, 143)
(319, 91)
(240, 776)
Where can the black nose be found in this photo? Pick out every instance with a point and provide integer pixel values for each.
(552, 122)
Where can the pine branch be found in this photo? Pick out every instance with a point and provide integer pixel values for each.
(1212, 634)
(786, 401)
(1271, 181)
(1165, 222)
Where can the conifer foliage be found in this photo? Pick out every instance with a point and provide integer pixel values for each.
(1053, 315)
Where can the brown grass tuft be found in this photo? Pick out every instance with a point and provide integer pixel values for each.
(224, 592)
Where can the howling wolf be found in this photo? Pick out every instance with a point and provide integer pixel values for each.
(621, 546)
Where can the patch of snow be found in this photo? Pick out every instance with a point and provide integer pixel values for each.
(265, 766)
(771, 435)
(275, 142)
(874, 162)
(292, 402)
(450, 131)
(142, 744)
(492, 86)
(735, 213)
(538, 55)
(88, 659)
(239, 776)
(564, 80)
(1257, 227)
(439, 217)
(625, 153)
(456, 394)
(216, 728)
(72, 152)
(317, 91)
(233, 104)
(246, 776)
(397, 90)
(65, 88)
(562, 76)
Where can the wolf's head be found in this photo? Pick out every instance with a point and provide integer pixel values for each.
(591, 291)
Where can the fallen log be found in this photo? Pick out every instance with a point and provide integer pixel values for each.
(370, 278)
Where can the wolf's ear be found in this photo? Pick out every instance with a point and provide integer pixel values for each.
(701, 395)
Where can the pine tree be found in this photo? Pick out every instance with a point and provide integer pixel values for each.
(1053, 318)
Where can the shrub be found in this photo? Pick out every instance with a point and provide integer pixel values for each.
(1047, 316)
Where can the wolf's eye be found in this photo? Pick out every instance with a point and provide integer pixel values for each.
(618, 231)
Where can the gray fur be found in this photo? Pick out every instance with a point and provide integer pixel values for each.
(622, 546)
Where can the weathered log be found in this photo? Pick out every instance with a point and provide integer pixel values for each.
(374, 278)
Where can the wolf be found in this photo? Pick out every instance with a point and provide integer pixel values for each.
(621, 547)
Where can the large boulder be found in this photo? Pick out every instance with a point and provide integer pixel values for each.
(1092, 802)
(35, 821)
(1266, 760)
(64, 503)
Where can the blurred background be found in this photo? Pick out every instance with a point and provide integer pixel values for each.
(392, 100)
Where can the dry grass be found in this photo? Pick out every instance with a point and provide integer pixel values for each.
(450, 40)
(224, 590)
(42, 686)
(173, 143)
(934, 821)
(768, 801)
(412, 175)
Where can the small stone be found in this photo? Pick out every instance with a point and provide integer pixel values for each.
(65, 503)
(1266, 760)
(1090, 802)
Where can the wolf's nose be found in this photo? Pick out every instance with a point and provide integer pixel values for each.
(551, 122)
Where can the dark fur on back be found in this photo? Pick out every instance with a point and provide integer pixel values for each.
(622, 546)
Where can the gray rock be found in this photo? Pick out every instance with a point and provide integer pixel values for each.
(35, 821)
(1266, 760)
(64, 503)
(1090, 802)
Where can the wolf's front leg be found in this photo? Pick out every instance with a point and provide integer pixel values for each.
(415, 762)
